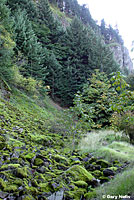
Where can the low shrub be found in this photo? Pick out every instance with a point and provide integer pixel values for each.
(124, 122)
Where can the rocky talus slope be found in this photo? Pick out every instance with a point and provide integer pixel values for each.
(35, 162)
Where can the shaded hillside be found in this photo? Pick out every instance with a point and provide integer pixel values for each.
(59, 44)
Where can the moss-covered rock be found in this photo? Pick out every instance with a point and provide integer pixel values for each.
(2, 142)
(38, 161)
(79, 173)
(46, 187)
(76, 194)
(11, 188)
(81, 184)
(9, 166)
(2, 183)
(27, 197)
(103, 179)
(103, 163)
(18, 182)
(90, 195)
(60, 159)
(29, 156)
(22, 172)
(113, 168)
(97, 173)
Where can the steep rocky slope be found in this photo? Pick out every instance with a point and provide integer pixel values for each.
(37, 160)
(121, 55)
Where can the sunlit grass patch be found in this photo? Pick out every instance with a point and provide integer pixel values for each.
(122, 151)
(95, 140)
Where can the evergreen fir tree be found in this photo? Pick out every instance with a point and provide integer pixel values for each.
(6, 43)
(27, 43)
(46, 17)
(28, 5)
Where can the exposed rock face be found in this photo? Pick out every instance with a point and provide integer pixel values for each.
(121, 55)
(127, 60)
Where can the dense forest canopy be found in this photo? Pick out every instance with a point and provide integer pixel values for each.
(36, 44)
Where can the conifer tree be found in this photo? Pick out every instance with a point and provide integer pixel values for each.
(27, 43)
(82, 52)
(46, 17)
(6, 43)
(75, 46)
(28, 5)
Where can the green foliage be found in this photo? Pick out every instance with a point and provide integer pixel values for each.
(130, 81)
(123, 118)
(122, 185)
(6, 43)
(93, 104)
(29, 6)
(97, 139)
(27, 43)
(46, 17)
(82, 51)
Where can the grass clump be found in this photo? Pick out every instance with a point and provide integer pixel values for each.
(96, 139)
(121, 151)
(123, 184)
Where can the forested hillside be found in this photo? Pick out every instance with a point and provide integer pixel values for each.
(66, 104)
(38, 45)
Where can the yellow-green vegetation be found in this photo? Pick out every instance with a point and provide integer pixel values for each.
(123, 184)
(30, 105)
(108, 144)
(95, 139)
(5, 37)
(60, 15)
(34, 156)
(79, 173)
(121, 151)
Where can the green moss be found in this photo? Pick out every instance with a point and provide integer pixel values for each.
(18, 182)
(78, 173)
(22, 172)
(29, 156)
(28, 198)
(60, 159)
(2, 184)
(10, 166)
(76, 194)
(76, 162)
(113, 168)
(90, 195)
(104, 179)
(103, 163)
(45, 187)
(40, 177)
(97, 173)
(31, 190)
(11, 188)
(81, 184)
(38, 161)
(2, 142)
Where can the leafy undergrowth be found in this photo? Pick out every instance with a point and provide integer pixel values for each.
(37, 160)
